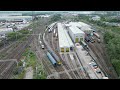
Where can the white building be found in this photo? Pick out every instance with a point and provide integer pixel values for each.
(5, 30)
(13, 18)
(82, 26)
(96, 18)
(76, 34)
(65, 43)
(87, 30)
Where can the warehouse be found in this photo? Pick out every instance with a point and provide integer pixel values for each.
(5, 30)
(65, 43)
(86, 30)
(76, 24)
(83, 26)
(76, 34)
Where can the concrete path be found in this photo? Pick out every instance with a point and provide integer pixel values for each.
(29, 73)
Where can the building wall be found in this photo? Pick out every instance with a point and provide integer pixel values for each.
(64, 49)
(76, 37)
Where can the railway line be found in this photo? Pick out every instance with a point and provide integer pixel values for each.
(68, 65)
(101, 59)
(73, 64)
(6, 69)
(106, 59)
(14, 51)
(78, 64)
(67, 61)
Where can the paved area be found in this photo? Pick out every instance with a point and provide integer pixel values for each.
(29, 73)
(86, 59)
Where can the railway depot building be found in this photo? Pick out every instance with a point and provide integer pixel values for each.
(65, 42)
(82, 26)
(76, 34)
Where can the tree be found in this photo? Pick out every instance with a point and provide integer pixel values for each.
(108, 36)
(56, 17)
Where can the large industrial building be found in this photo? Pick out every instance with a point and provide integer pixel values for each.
(86, 30)
(76, 34)
(82, 26)
(5, 30)
(65, 42)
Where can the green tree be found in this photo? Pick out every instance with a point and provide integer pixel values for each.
(56, 17)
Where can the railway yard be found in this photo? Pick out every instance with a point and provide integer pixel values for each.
(79, 62)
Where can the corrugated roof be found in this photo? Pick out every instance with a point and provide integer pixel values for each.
(64, 39)
(85, 28)
(75, 24)
(76, 30)
(84, 24)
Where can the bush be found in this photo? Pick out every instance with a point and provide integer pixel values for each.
(24, 31)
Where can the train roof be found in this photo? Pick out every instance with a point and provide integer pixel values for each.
(64, 39)
(51, 58)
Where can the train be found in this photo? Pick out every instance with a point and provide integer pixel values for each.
(84, 44)
(97, 35)
(50, 30)
(52, 60)
(51, 27)
(54, 33)
(55, 57)
(87, 38)
(52, 52)
(92, 39)
(40, 42)
(42, 46)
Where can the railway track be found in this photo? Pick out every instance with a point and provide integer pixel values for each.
(6, 69)
(67, 61)
(64, 76)
(14, 52)
(99, 56)
(81, 70)
(76, 72)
